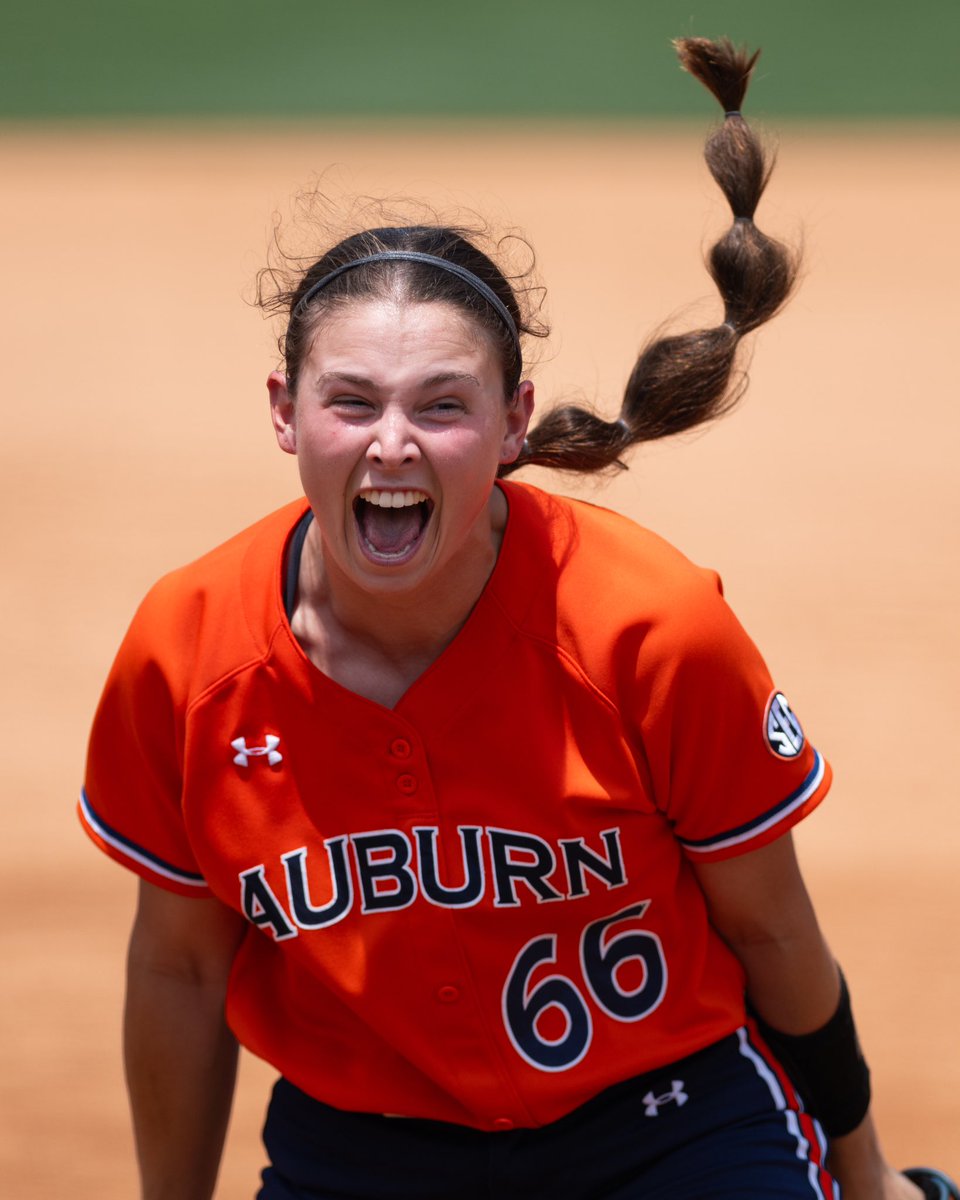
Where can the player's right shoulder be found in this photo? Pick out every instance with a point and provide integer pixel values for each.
(208, 618)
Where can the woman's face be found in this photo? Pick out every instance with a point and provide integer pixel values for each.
(399, 424)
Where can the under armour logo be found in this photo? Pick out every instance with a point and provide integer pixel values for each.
(784, 735)
(245, 752)
(676, 1095)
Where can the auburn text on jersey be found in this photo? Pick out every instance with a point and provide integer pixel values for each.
(387, 869)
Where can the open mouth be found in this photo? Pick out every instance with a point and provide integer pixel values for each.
(391, 523)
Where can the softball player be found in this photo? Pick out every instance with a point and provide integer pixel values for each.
(466, 806)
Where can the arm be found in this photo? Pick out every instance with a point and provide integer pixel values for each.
(759, 905)
(179, 1055)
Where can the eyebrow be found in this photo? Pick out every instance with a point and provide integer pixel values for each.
(451, 377)
(361, 381)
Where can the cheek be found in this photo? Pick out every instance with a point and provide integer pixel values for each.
(327, 446)
(325, 464)
(479, 445)
(467, 473)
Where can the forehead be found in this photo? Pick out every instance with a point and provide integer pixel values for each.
(389, 331)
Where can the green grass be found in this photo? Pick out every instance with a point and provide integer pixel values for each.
(105, 58)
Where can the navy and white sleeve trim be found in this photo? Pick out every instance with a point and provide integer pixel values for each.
(131, 851)
(767, 820)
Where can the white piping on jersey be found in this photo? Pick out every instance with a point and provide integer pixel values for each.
(813, 781)
(134, 853)
(790, 1118)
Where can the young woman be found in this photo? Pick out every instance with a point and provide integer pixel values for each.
(466, 806)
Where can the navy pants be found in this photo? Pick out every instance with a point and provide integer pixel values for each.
(719, 1125)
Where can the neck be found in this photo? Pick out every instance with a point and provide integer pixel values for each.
(350, 633)
(404, 625)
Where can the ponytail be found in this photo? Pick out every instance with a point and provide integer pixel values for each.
(682, 380)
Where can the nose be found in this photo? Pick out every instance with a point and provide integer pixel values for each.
(393, 443)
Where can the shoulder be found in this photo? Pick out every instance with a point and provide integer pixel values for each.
(209, 617)
(611, 574)
(619, 601)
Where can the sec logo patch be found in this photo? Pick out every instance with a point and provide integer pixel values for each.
(782, 730)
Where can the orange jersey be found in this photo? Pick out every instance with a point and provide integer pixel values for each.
(478, 906)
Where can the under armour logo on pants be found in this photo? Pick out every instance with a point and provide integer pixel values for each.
(677, 1095)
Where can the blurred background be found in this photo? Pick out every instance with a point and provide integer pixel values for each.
(131, 59)
(147, 153)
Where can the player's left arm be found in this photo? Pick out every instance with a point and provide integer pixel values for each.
(759, 904)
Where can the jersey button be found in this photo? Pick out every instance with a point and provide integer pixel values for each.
(448, 994)
(407, 784)
(400, 748)
(503, 1123)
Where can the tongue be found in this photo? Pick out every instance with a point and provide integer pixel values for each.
(390, 530)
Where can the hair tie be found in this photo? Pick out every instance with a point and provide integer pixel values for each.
(624, 425)
(442, 264)
(743, 220)
(734, 112)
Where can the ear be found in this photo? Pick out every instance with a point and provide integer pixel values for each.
(519, 412)
(282, 412)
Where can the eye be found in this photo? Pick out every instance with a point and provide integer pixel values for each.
(351, 404)
(445, 407)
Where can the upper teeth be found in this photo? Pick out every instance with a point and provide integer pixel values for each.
(392, 499)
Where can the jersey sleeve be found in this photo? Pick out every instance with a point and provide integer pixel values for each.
(730, 764)
(130, 804)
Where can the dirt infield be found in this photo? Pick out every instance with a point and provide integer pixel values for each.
(136, 436)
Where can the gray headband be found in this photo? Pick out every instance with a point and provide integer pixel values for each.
(442, 264)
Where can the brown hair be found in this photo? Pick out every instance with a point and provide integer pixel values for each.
(407, 281)
(679, 380)
(682, 380)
